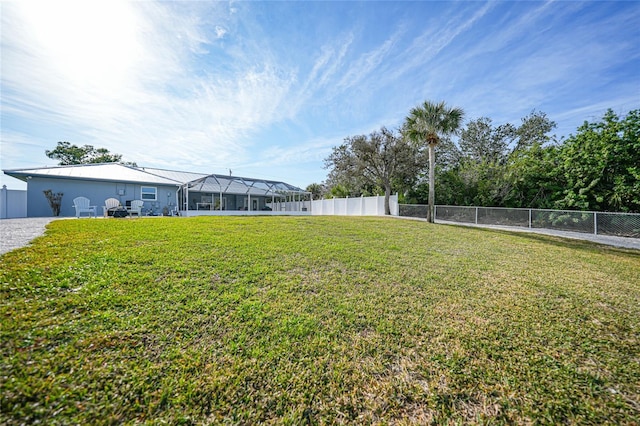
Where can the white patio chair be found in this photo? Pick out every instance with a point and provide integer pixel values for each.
(136, 207)
(110, 204)
(82, 205)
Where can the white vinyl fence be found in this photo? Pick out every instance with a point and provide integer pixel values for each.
(599, 223)
(360, 206)
(13, 203)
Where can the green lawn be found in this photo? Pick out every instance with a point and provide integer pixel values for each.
(316, 320)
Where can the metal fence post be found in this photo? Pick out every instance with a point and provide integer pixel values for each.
(476, 215)
(595, 223)
(529, 218)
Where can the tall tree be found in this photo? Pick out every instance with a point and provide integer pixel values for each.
(342, 181)
(481, 141)
(380, 159)
(534, 129)
(68, 154)
(428, 124)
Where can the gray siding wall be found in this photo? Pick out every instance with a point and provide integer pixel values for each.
(96, 191)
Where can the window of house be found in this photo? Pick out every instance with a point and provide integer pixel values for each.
(149, 193)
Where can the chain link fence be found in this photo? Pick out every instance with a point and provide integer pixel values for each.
(503, 217)
(561, 220)
(413, 210)
(616, 224)
(619, 224)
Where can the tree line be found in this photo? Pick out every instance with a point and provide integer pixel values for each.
(432, 159)
(70, 154)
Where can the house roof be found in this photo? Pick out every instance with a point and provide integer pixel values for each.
(146, 175)
(174, 175)
(106, 172)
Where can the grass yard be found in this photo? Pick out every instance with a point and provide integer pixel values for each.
(316, 320)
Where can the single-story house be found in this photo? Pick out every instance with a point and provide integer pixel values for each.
(162, 191)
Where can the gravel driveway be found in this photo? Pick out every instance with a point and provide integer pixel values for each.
(16, 233)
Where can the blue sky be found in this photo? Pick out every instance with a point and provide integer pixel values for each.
(266, 89)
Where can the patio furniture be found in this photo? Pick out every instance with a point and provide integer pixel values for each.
(110, 205)
(136, 207)
(82, 205)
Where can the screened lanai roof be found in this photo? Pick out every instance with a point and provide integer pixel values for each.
(242, 185)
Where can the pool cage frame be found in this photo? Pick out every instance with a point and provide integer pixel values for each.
(222, 194)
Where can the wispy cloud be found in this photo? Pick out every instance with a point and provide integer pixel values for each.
(312, 150)
(368, 63)
(220, 32)
(273, 86)
(534, 59)
(424, 48)
(319, 82)
(331, 60)
(159, 104)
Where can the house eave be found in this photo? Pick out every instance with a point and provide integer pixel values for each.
(25, 177)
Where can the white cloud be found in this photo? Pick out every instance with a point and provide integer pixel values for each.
(368, 64)
(313, 150)
(319, 82)
(331, 61)
(117, 76)
(85, 44)
(220, 32)
(436, 37)
(198, 85)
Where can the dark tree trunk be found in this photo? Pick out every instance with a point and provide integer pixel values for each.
(387, 194)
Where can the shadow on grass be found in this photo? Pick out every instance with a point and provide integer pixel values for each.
(558, 241)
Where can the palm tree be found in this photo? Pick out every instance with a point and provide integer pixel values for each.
(429, 123)
(317, 190)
